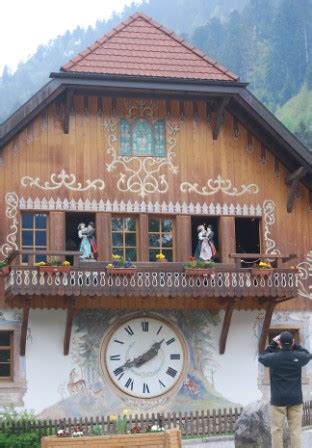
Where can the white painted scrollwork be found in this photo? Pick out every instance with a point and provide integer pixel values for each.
(62, 180)
(141, 175)
(269, 220)
(11, 200)
(305, 277)
(219, 185)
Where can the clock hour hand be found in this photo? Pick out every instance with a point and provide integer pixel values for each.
(142, 359)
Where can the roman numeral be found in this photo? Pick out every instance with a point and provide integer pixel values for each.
(161, 384)
(118, 371)
(145, 389)
(170, 341)
(115, 358)
(129, 330)
(172, 372)
(118, 342)
(129, 383)
(144, 326)
(175, 356)
(159, 329)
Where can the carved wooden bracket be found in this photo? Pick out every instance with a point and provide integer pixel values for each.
(69, 324)
(68, 102)
(226, 326)
(292, 180)
(219, 117)
(24, 327)
(266, 325)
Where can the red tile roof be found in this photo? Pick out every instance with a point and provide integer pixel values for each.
(141, 47)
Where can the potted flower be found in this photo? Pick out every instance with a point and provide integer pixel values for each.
(121, 267)
(160, 257)
(54, 265)
(198, 267)
(4, 268)
(262, 268)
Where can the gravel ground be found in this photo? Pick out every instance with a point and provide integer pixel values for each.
(228, 442)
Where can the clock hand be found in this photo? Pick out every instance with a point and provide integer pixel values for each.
(146, 356)
(149, 354)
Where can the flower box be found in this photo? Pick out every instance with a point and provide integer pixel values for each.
(261, 272)
(199, 271)
(4, 271)
(166, 439)
(121, 271)
(54, 269)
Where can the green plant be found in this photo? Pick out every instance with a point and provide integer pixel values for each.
(10, 437)
(97, 430)
(119, 262)
(121, 425)
(194, 263)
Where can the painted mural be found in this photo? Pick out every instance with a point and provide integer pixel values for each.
(84, 392)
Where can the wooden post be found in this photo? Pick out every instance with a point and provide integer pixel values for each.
(219, 117)
(227, 241)
(266, 325)
(226, 326)
(142, 235)
(24, 326)
(69, 323)
(104, 231)
(183, 238)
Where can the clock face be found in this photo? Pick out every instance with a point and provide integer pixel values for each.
(144, 357)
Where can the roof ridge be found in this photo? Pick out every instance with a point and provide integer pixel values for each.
(160, 27)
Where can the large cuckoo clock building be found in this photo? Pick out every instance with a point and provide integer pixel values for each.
(138, 154)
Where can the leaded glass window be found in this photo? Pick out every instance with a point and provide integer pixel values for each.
(142, 137)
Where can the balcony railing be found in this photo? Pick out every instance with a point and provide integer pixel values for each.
(151, 281)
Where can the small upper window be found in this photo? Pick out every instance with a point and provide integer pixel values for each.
(6, 351)
(142, 137)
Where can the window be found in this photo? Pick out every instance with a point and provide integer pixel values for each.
(6, 352)
(247, 238)
(124, 237)
(142, 137)
(160, 238)
(34, 229)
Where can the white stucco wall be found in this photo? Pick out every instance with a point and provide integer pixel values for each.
(235, 374)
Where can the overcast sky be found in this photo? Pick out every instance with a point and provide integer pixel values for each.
(25, 24)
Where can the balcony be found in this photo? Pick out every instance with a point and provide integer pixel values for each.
(150, 280)
(149, 286)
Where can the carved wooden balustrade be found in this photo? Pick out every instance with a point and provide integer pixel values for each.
(225, 285)
(151, 280)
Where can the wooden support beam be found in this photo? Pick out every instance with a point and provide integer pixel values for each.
(24, 326)
(219, 117)
(266, 325)
(292, 180)
(68, 103)
(69, 324)
(226, 326)
(298, 174)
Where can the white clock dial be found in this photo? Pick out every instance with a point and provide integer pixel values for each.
(144, 357)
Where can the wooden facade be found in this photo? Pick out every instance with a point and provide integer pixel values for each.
(225, 157)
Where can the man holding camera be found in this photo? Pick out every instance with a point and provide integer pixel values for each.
(285, 359)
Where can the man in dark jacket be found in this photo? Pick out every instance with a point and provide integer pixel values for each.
(285, 359)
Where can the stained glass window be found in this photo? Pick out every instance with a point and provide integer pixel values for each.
(142, 137)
